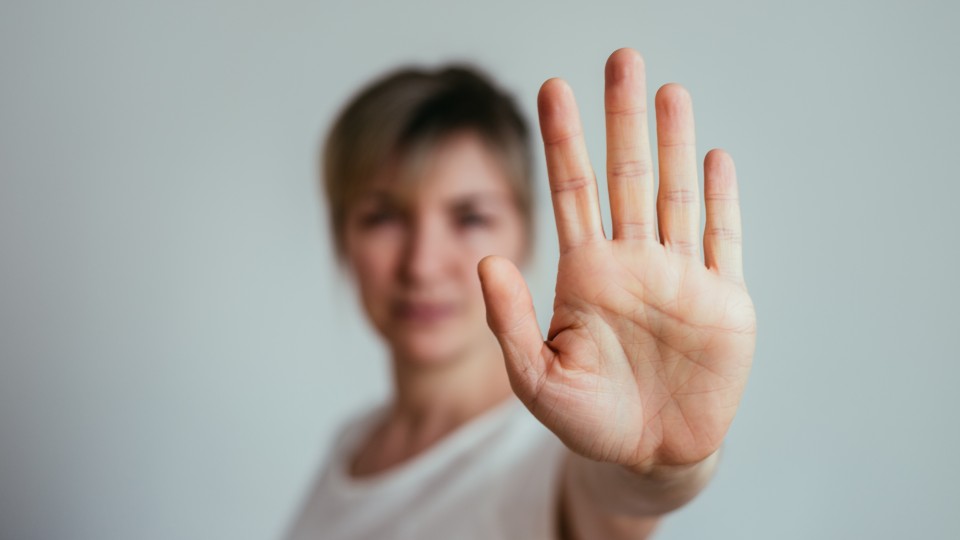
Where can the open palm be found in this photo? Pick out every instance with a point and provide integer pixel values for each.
(649, 348)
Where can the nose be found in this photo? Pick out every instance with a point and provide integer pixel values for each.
(427, 253)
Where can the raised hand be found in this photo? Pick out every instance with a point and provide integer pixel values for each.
(649, 348)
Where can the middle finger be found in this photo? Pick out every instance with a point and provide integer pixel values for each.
(629, 165)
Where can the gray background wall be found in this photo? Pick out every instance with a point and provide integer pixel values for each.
(177, 344)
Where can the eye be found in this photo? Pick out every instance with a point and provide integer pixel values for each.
(473, 219)
(381, 216)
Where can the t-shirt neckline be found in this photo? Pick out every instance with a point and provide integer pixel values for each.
(464, 435)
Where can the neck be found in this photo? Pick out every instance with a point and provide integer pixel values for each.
(432, 401)
(447, 395)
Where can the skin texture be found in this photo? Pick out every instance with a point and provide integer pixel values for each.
(649, 348)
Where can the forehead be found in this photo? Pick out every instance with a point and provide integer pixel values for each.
(458, 166)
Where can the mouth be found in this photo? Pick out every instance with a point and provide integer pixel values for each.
(423, 313)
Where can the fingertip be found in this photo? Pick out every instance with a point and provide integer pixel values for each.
(672, 95)
(504, 293)
(626, 53)
(485, 267)
(717, 157)
(557, 108)
(673, 88)
(623, 64)
(491, 269)
(719, 167)
(552, 93)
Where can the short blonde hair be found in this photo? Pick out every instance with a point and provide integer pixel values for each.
(406, 113)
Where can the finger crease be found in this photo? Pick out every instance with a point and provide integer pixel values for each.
(569, 184)
(679, 195)
(628, 170)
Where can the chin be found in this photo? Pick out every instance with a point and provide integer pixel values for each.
(428, 350)
(436, 345)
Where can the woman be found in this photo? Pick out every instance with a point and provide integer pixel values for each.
(613, 421)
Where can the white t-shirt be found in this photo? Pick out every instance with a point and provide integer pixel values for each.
(495, 477)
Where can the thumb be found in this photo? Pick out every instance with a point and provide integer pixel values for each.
(513, 320)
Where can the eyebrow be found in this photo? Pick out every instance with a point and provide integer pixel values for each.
(471, 199)
(378, 194)
(377, 198)
(460, 201)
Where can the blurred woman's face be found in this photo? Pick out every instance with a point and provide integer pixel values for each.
(414, 254)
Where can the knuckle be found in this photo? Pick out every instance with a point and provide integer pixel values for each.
(570, 183)
(720, 196)
(683, 246)
(677, 144)
(562, 139)
(638, 230)
(629, 170)
(679, 195)
(637, 110)
(725, 234)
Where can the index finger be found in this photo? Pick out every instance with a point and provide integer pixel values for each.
(573, 185)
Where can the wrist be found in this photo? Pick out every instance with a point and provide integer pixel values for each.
(649, 490)
(660, 472)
